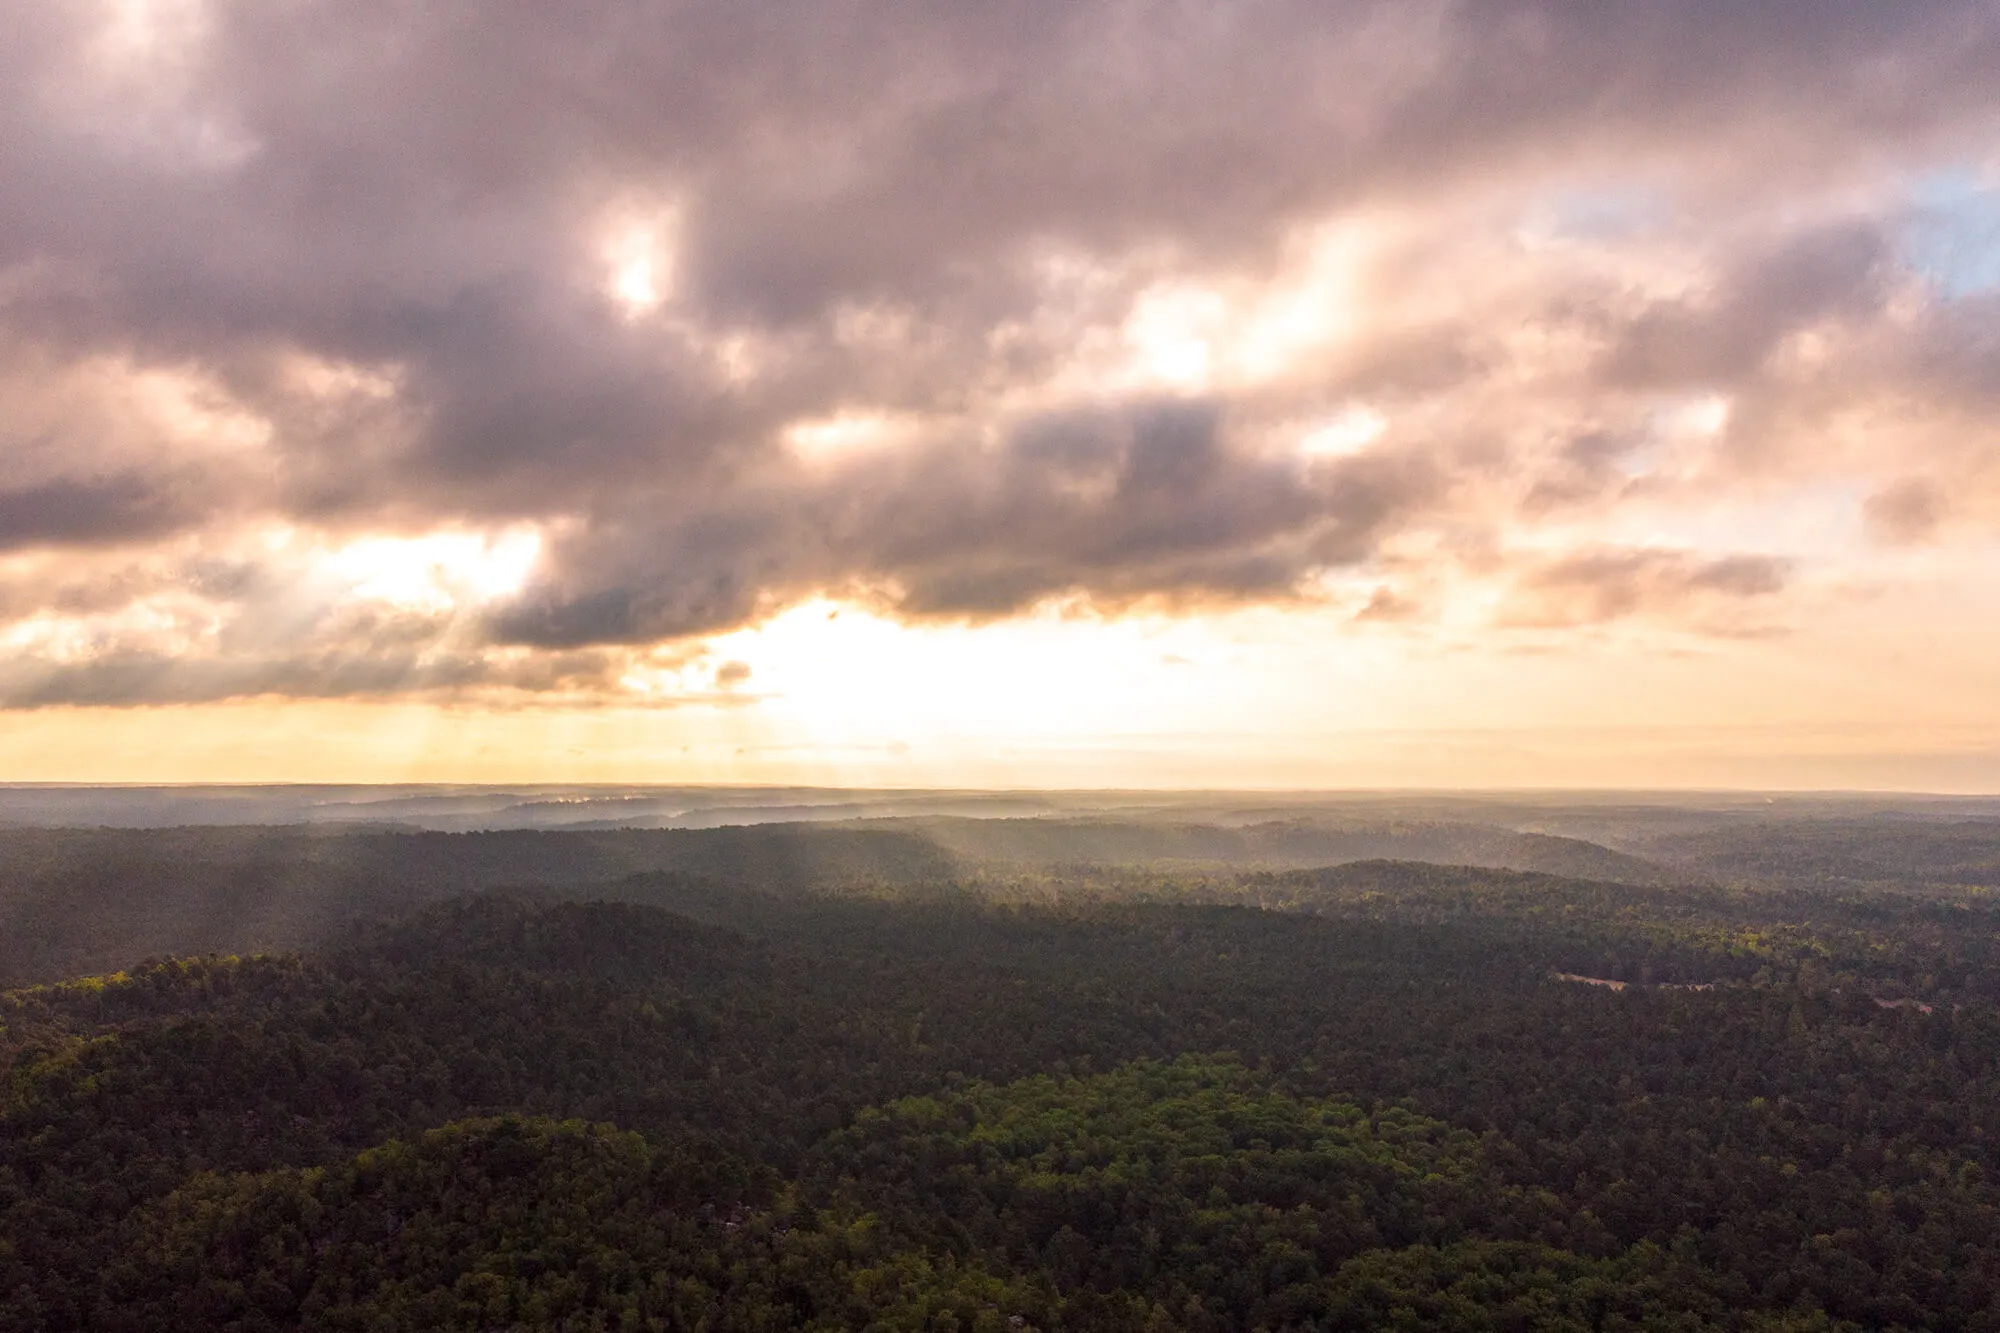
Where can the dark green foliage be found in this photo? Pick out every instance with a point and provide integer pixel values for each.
(1888, 851)
(88, 900)
(1374, 1108)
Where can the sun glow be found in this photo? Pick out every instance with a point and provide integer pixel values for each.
(1348, 431)
(638, 253)
(167, 624)
(835, 676)
(1196, 334)
(437, 572)
(842, 433)
(635, 282)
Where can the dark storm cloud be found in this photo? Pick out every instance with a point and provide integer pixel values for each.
(861, 205)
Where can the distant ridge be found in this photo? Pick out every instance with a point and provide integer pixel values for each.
(1278, 843)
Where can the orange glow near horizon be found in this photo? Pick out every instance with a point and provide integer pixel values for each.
(837, 696)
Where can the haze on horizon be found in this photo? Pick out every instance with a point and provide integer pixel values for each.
(1123, 393)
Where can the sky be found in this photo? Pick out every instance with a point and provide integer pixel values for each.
(1001, 393)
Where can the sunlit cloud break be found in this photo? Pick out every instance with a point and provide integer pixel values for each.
(406, 355)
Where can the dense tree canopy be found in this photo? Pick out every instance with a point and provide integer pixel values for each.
(1375, 1096)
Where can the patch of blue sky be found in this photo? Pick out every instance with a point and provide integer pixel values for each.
(1953, 232)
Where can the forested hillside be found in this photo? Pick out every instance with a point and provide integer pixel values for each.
(86, 900)
(79, 901)
(1361, 1097)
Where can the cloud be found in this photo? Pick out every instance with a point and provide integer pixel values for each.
(1906, 511)
(1727, 336)
(75, 511)
(384, 670)
(324, 270)
(1598, 586)
(1146, 500)
(1388, 606)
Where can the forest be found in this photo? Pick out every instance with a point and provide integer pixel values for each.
(1052, 1073)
